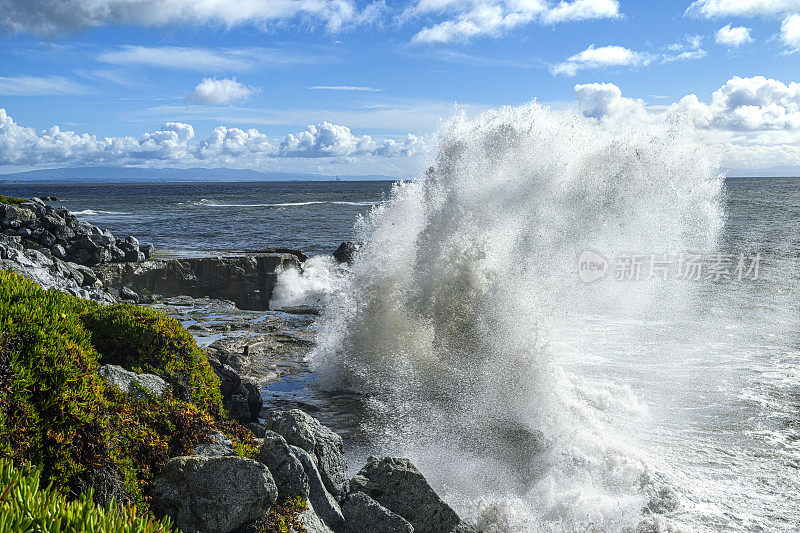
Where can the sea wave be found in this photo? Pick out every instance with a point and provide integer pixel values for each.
(93, 212)
(211, 203)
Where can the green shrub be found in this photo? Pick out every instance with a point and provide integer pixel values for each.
(26, 507)
(10, 200)
(58, 414)
(144, 340)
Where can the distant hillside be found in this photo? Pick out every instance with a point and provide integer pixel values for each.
(132, 174)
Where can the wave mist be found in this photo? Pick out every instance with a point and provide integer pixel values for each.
(445, 320)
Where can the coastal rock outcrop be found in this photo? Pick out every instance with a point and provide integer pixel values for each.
(213, 494)
(400, 487)
(345, 252)
(248, 281)
(288, 472)
(56, 232)
(307, 433)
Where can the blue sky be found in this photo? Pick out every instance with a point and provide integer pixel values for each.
(355, 87)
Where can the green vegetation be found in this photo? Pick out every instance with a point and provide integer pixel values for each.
(58, 414)
(283, 517)
(10, 200)
(26, 507)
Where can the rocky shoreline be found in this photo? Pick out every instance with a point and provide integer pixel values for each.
(287, 468)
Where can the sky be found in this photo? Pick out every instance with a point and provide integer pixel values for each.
(356, 87)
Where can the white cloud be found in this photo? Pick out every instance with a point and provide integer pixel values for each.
(53, 17)
(331, 140)
(751, 122)
(346, 88)
(598, 100)
(202, 59)
(212, 91)
(174, 144)
(790, 33)
(600, 57)
(37, 86)
(742, 8)
(733, 36)
(471, 18)
(688, 48)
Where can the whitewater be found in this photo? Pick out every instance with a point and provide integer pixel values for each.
(535, 401)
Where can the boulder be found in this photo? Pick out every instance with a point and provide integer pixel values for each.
(126, 294)
(345, 252)
(218, 445)
(362, 513)
(256, 429)
(131, 382)
(237, 408)
(287, 470)
(254, 400)
(147, 250)
(19, 214)
(213, 494)
(312, 523)
(325, 505)
(400, 487)
(306, 432)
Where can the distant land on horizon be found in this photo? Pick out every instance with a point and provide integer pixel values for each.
(167, 175)
(134, 174)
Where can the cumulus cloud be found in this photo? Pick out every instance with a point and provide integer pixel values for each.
(331, 140)
(49, 17)
(790, 33)
(600, 57)
(471, 18)
(212, 91)
(740, 105)
(742, 8)
(734, 36)
(751, 122)
(174, 144)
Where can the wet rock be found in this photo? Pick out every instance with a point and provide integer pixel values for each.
(345, 252)
(306, 432)
(131, 382)
(400, 487)
(325, 505)
(213, 494)
(287, 470)
(362, 513)
(218, 445)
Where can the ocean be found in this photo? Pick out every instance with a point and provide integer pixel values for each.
(532, 399)
(202, 218)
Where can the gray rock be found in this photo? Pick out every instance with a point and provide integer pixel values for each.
(254, 400)
(287, 470)
(362, 514)
(213, 494)
(148, 250)
(257, 429)
(229, 380)
(58, 251)
(325, 505)
(24, 232)
(218, 446)
(400, 487)
(312, 522)
(345, 252)
(237, 408)
(19, 214)
(306, 432)
(131, 382)
(127, 294)
(89, 277)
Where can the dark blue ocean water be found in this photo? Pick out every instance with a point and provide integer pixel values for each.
(205, 217)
